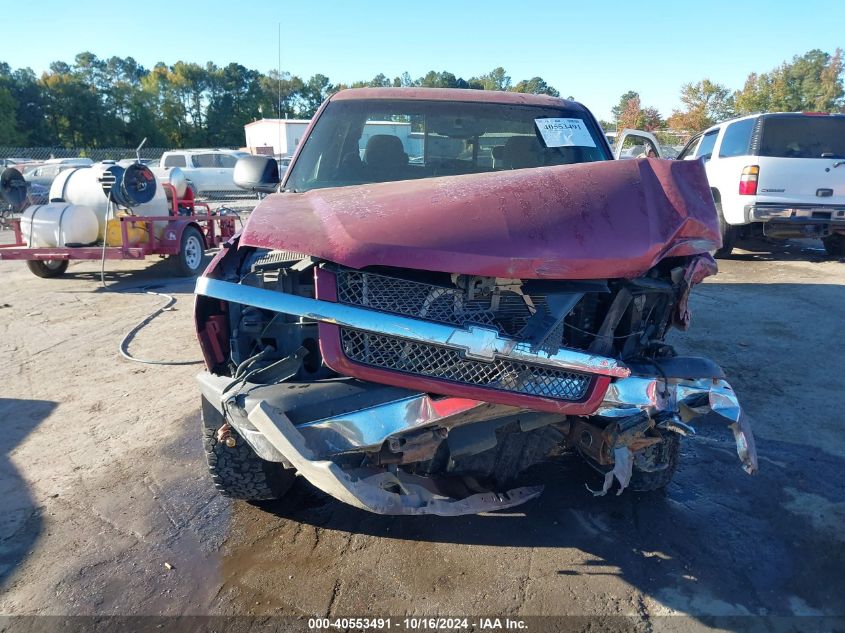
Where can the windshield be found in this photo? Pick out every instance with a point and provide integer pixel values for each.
(802, 136)
(357, 142)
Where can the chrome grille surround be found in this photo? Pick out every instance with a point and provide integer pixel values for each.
(443, 363)
(474, 341)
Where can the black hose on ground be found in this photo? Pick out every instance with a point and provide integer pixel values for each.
(124, 344)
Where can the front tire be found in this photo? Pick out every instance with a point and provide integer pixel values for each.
(47, 268)
(188, 261)
(237, 471)
(655, 466)
(728, 235)
(834, 245)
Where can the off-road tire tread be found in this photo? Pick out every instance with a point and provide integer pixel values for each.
(238, 472)
(644, 481)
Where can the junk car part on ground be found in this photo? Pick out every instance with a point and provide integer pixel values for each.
(451, 288)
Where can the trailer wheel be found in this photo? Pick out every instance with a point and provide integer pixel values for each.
(46, 268)
(237, 471)
(188, 261)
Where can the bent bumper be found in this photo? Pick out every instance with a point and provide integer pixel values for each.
(376, 490)
(309, 426)
(263, 417)
(340, 416)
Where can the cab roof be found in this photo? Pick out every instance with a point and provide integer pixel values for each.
(455, 94)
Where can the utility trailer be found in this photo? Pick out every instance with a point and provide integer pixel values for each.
(190, 228)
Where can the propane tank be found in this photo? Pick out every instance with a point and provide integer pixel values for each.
(90, 187)
(59, 224)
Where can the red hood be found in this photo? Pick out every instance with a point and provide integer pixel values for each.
(588, 221)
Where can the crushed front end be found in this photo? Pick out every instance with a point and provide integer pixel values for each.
(408, 390)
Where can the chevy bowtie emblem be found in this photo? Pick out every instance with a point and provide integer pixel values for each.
(479, 343)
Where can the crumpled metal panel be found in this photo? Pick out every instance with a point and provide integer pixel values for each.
(381, 492)
(597, 220)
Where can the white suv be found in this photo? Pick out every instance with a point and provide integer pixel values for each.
(777, 175)
(207, 170)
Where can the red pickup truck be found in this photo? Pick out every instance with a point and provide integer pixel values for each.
(446, 288)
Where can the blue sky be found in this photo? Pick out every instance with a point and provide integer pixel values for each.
(593, 50)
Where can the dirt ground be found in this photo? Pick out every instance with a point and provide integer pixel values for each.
(108, 509)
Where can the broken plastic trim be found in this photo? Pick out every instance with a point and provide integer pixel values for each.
(477, 343)
(382, 492)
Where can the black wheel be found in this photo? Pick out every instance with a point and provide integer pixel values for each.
(47, 267)
(237, 471)
(728, 235)
(188, 261)
(834, 245)
(655, 466)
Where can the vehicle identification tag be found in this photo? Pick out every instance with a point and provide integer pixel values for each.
(564, 133)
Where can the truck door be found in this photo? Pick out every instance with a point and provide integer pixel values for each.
(636, 144)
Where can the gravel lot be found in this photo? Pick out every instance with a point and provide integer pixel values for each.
(108, 508)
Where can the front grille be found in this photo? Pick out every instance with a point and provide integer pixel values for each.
(443, 363)
(505, 311)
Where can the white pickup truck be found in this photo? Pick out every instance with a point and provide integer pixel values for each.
(208, 171)
(777, 175)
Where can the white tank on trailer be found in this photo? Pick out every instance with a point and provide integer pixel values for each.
(59, 224)
(89, 187)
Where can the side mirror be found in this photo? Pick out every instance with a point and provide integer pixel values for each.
(257, 173)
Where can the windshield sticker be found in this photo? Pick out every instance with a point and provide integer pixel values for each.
(564, 133)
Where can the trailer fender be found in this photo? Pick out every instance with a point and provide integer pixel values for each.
(173, 233)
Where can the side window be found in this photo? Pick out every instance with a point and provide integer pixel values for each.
(705, 148)
(175, 160)
(736, 139)
(689, 149)
(227, 161)
(205, 160)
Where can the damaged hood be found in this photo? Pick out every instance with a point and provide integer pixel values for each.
(585, 221)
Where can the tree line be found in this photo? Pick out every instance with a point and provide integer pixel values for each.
(809, 82)
(116, 102)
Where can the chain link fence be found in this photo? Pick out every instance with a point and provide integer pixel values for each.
(209, 172)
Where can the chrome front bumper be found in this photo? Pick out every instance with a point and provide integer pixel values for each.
(375, 490)
(310, 446)
(261, 415)
(394, 413)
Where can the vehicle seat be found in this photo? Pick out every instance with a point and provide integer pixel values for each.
(523, 151)
(385, 157)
